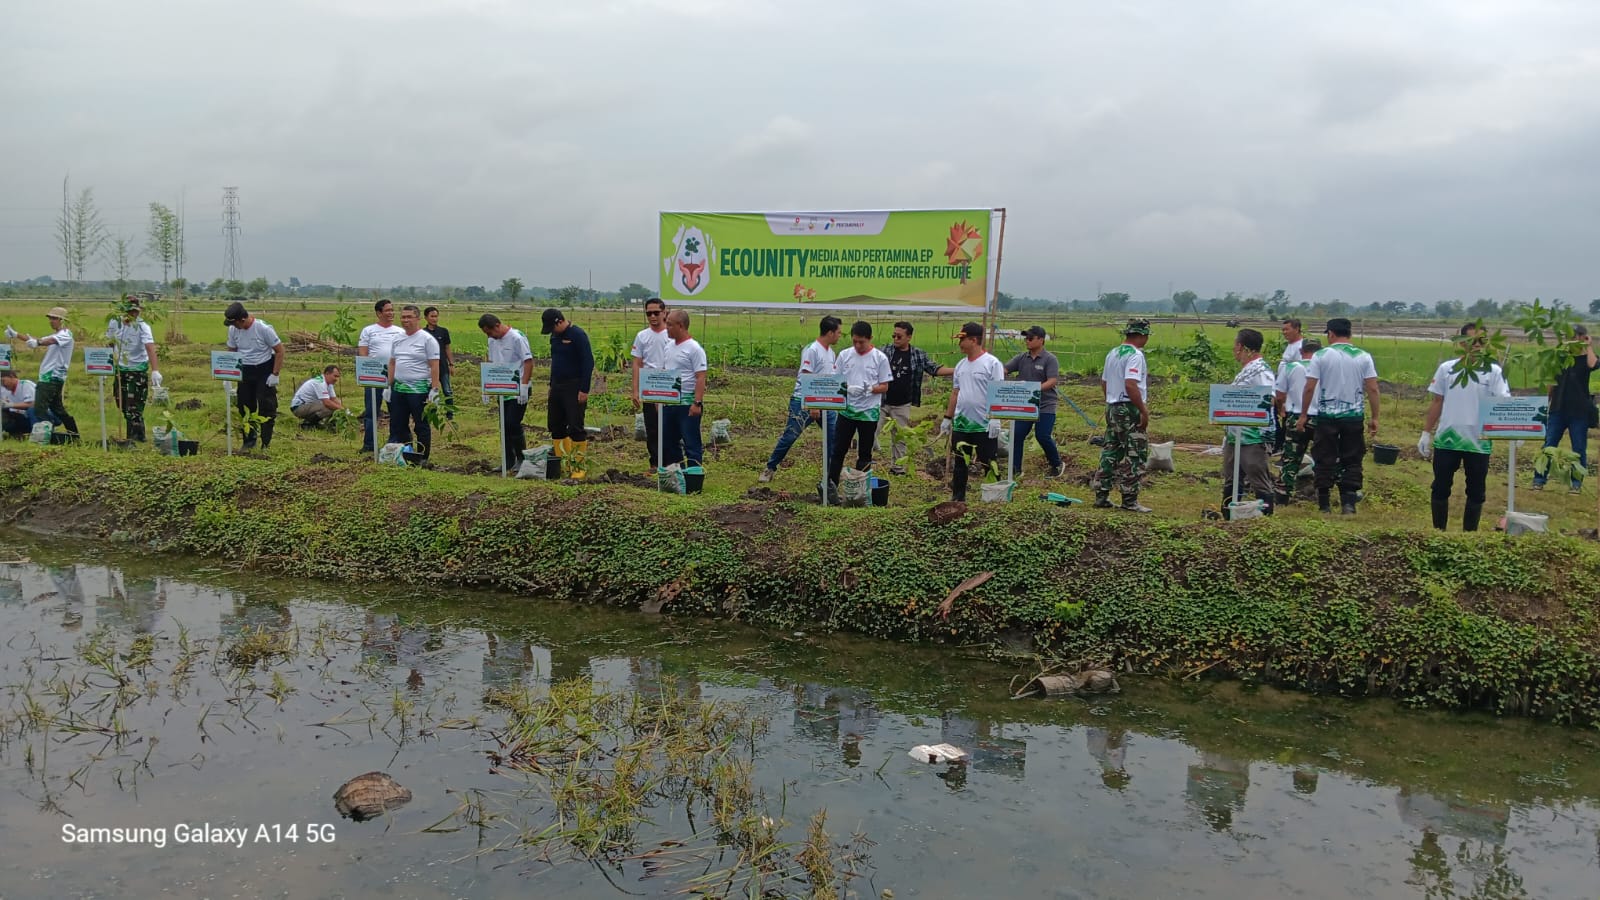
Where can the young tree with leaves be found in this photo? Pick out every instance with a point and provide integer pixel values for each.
(511, 288)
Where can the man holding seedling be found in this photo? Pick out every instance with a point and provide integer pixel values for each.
(649, 351)
(1338, 378)
(907, 365)
(1572, 410)
(376, 341)
(817, 359)
(414, 374)
(1452, 432)
(571, 371)
(1126, 380)
(1039, 365)
(1247, 442)
(317, 399)
(865, 371)
(260, 360)
(1290, 394)
(976, 437)
(137, 366)
(52, 370)
(508, 347)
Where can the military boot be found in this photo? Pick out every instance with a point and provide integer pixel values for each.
(1322, 501)
(1441, 512)
(1470, 516)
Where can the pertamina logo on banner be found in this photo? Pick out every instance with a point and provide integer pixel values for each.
(690, 266)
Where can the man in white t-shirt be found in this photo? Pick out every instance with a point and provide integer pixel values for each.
(1126, 379)
(1339, 377)
(649, 351)
(975, 439)
(16, 405)
(375, 341)
(682, 422)
(865, 371)
(817, 359)
(48, 406)
(260, 359)
(414, 382)
(509, 347)
(1452, 432)
(1249, 443)
(316, 400)
(1291, 388)
(137, 366)
(1291, 354)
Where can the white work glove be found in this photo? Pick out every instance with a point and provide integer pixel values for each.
(522, 393)
(272, 381)
(386, 395)
(858, 392)
(944, 427)
(10, 332)
(1425, 445)
(155, 379)
(33, 343)
(433, 394)
(994, 428)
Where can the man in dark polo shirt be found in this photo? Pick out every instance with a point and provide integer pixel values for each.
(571, 370)
(907, 365)
(1571, 407)
(447, 362)
(1038, 365)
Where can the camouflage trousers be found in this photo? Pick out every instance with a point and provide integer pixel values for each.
(133, 389)
(1294, 453)
(1123, 458)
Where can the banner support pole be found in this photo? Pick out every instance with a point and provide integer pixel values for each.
(227, 410)
(991, 310)
(502, 436)
(824, 492)
(105, 444)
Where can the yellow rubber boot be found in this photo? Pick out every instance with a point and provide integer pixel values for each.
(578, 452)
(560, 451)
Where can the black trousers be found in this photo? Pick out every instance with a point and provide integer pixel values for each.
(1338, 449)
(1476, 466)
(982, 447)
(254, 396)
(845, 429)
(516, 440)
(652, 431)
(565, 416)
(406, 411)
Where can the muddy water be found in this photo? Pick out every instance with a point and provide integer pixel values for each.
(1162, 791)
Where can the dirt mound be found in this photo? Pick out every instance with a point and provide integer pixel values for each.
(613, 433)
(750, 518)
(947, 512)
(632, 479)
(191, 404)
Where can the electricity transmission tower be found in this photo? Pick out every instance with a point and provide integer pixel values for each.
(230, 232)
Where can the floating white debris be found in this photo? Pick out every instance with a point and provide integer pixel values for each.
(938, 753)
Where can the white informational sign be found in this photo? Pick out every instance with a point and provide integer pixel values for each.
(660, 386)
(1241, 405)
(1514, 418)
(822, 391)
(372, 372)
(226, 366)
(499, 380)
(1014, 400)
(100, 361)
(5, 357)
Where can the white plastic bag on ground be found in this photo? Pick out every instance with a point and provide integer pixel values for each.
(165, 440)
(670, 480)
(722, 432)
(534, 462)
(999, 492)
(41, 433)
(392, 454)
(639, 433)
(1161, 458)
(938, 753)
(855, 487)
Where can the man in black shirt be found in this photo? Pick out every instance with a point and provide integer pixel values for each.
(571, 370)
(907, 365)
(446, 361)
(1571, 409)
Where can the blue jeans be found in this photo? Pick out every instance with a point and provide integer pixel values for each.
(1577, 427)
(1044, 433)
(799, 418)
(682, 438)
(444, 385)
(373, 400)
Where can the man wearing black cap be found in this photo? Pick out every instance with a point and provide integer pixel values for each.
(1339, 376)
(571, 371)
(966, 418)
(1040, 366)
(1126, 379)
(260, 360)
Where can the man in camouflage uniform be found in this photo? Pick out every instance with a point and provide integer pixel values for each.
(1126, 380)
(1295, 441)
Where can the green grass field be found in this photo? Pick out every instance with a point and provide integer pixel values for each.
(754, 397)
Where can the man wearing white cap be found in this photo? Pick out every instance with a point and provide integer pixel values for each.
(53, 370)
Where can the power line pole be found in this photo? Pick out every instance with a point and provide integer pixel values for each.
(230, 233)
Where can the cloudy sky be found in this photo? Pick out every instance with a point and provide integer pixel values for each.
(1362, 150)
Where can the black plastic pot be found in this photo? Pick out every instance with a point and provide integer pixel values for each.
(1385, 454)
(552, 469)
(188, 448)
(694, 480)
(880, 492)
(412, 459)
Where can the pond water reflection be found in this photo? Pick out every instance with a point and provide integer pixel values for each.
(1206, 790)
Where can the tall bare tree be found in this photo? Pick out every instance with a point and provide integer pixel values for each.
(82, 234)
(121, 263)
(64, 230)
(162, 244)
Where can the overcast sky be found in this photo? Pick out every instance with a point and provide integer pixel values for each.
(1362, 150)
